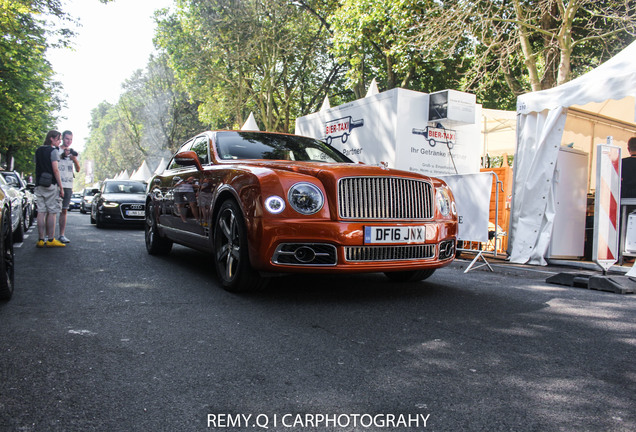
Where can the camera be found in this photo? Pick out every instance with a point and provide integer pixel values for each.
(71, 153)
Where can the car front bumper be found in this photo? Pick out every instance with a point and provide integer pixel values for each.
(325, 247)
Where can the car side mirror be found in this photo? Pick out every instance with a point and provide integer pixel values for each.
(188, 158)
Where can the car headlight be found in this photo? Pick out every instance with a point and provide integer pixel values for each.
(305, 198)
(443, 202)
(110, 204)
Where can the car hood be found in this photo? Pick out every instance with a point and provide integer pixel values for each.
(125, 197)
(336, 170)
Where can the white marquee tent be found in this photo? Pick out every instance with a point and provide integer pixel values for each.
(604, 96)
(142, 173)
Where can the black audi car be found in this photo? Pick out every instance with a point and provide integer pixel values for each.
(119, 202)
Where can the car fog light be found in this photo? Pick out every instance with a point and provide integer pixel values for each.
(275, 204)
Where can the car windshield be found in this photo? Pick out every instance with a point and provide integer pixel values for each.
(125, 187)
(256, 145)
(7, 176)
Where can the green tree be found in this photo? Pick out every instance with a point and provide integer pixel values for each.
(150, 120)
(29, 93)
(240, 56)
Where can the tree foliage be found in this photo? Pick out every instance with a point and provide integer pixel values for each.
(29, 93)
(529, 45)
(263, 56)
(373, 39)
(150, 120)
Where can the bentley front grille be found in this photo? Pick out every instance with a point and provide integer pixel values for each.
(389, 253)
(388, 198)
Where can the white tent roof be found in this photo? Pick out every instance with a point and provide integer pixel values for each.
(325, 104)
(162, 166)
(373, 88)
(142, 173)
(614, 79)
(606, 91)
(250, 124)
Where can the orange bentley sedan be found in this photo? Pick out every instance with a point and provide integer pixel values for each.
(269, 203)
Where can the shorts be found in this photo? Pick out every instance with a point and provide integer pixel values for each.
(48, 199)
(66, 201)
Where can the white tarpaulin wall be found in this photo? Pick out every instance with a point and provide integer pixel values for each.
(541, 118)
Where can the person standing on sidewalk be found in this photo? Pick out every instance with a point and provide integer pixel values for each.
(68, 162)
(48, 193)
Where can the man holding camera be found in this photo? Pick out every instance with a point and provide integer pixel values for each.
(68, 162)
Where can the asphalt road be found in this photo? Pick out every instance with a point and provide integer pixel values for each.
(100, 336)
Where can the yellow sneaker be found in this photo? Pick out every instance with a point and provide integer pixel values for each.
(55, 243)
(40, 243)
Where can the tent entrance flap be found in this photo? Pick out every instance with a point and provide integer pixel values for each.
(539, 139)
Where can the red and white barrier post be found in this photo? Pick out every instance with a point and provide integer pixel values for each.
(606, 205)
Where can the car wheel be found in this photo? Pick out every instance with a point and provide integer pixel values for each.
(155, 243)
(92, 218)
(7, 261)
(27, 218)
(410, 276)
(230, 251)
(99, 221)
(18, 234)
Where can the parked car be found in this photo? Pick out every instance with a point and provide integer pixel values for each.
(6, 249)
(15, 198)
(76, 200)
(277, 203)
(29, 207)
(87, 199)
(119, 202)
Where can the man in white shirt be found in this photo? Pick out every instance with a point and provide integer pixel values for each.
(68, 162)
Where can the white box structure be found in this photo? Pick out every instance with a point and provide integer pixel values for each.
(392, 128)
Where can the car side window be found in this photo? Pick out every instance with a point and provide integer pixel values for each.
(200, 147)
(173, 164)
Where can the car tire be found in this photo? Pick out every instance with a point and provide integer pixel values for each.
(99, 221)
(27, 218)
(156, 244)
(410, 276)
(18, 234)
(92, 219)
(231, 257)
(7, 260)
